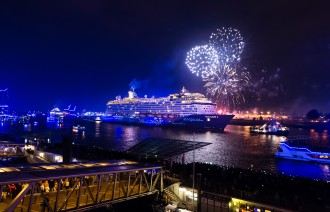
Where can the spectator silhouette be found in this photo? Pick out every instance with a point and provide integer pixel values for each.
(45, 203)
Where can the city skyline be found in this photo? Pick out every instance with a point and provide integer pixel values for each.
(85, 54)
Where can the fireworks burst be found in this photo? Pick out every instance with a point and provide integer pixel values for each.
(202, 60)
(218, 65)
(228, 42)
(228, 86)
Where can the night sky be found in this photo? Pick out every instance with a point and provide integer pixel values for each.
(85, 53)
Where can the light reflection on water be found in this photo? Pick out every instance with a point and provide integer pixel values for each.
(235, 147)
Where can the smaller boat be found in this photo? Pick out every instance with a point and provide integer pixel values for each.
(271, 128)
(78, 128)
(304, 154)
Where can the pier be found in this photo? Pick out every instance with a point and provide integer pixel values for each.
(76, 186)
(11, 151)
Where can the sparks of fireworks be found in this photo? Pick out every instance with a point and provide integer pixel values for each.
(202, 60)
(228, 86)
(228, 42)
(218, 65)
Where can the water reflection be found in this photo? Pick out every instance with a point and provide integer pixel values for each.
(97, 129)
(235, 147)
(27, 127)
(129, 137)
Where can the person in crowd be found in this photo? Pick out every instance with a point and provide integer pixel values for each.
(5, 192)
(51, 184)
(12, 189)
(42, 186)
(47, 188)
(55, 186)
(45, 203)
(67, 183)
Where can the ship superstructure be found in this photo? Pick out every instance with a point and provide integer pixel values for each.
(302, 153)
(182, 104)
(184, 109)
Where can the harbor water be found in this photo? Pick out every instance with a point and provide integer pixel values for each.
(235, 147)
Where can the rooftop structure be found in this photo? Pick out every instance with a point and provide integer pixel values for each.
(164, 148)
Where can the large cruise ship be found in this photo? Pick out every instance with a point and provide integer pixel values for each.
(190, 110)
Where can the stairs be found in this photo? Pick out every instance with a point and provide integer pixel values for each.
(174, 198)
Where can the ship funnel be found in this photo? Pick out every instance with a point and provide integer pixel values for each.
(184, 90)
(131, 95)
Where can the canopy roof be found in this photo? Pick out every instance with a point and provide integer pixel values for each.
(164, 148)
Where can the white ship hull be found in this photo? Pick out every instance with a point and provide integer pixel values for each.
(302, 154)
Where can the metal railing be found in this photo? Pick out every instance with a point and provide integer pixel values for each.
(81, 191)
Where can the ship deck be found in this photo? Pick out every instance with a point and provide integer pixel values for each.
(313, 144)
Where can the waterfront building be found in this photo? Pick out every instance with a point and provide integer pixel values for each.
(4, 101)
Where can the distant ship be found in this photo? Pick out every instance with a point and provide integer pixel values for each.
(187, 110)
(55, 115)
(288, 151)
(58, 116)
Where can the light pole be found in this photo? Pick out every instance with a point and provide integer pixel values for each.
(193, 196)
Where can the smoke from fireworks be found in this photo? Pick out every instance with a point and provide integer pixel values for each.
(218, 65)
(268, 85)
(134, 84)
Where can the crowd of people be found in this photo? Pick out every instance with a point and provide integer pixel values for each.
(260, 186)
(12, 190)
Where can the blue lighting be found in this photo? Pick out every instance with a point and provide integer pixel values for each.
(303, 169)
(119, 131)
(152, 121)
(303, 149)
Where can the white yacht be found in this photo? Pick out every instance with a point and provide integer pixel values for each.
(301, 153)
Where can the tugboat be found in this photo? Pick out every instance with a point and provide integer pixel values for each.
(271, 128)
